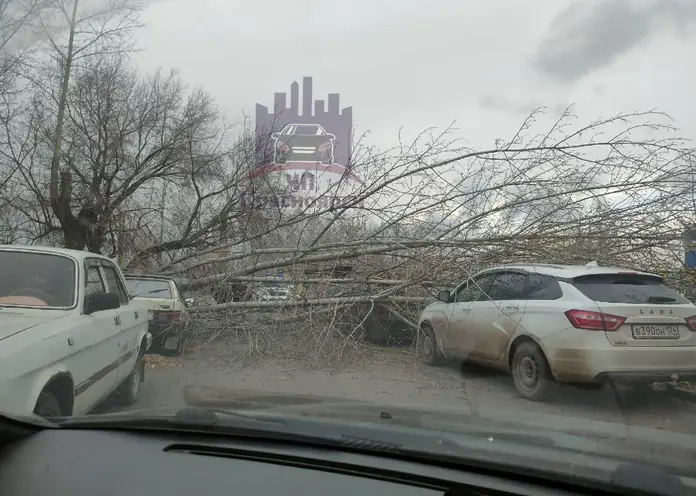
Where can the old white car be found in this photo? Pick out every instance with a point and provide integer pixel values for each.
(167, 310)
(70, 336)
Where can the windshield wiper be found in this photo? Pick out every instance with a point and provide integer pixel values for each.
(151, 292)
(661, 299)
(234, 423)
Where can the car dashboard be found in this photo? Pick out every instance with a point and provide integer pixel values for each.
(79, 462)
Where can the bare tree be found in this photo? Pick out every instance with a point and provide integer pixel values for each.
(124, 134)
(433, 213)
(81, 34)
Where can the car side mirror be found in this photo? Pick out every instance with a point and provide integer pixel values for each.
(444, 296)
(189, 302)
(97, 302)
(275, 135)
(330, 136)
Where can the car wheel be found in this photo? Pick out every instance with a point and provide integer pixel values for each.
(47, 406)
(427, 346)
(531, 372)
(129, 391)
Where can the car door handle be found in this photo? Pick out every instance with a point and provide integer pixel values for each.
(511, 308)
(117, 320)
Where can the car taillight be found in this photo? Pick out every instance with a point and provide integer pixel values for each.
(691, 322)
(594, 321)
(167, 316)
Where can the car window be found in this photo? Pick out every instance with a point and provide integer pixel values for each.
(620, 288)
(476, 289)
(37, 279)
(93, 281)
(114, 283)
(507, 286)
(149, 288)
(542, 287)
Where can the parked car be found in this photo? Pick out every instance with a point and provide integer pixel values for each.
(167, 309)
(564, 323)
(69, 334)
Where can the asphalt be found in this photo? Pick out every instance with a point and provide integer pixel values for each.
(405, 382)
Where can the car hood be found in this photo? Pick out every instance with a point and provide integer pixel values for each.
(583, 435)
(13, 321)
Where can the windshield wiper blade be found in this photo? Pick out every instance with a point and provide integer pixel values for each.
(233, 423)
(151, 292)
(191, 416)
(661, 299)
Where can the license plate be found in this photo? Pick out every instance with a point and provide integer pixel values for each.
(171, 343)
(655, 331)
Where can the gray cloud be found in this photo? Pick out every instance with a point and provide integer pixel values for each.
(502, 103)
(591, 34)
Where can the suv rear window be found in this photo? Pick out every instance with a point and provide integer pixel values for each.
(620, 288)
(149, 288)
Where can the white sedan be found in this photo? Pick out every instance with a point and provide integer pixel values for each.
(70, 336)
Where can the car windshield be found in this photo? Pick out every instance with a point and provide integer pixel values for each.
(148, 288)
(36, 279)
(486, 207)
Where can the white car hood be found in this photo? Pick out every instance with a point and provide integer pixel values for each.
(13, 321)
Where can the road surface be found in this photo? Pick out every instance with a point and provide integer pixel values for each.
(398, 379)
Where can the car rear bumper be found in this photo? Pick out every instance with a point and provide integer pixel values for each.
(166, 337)
(593, 359)
(157, 328)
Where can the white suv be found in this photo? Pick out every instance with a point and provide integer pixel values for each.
(565, 323)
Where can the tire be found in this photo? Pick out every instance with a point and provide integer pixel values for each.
(129, 391)
(427, 346)
(47, 406)
(531, 372)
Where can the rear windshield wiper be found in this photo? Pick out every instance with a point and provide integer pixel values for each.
(661, 299)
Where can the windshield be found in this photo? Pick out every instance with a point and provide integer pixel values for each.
(148, 288)
(36, 280)
(446, 205)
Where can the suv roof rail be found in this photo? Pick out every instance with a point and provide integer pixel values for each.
(529, 264)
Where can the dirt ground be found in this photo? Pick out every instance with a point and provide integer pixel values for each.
(395, 377)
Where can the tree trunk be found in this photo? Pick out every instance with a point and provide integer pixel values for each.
(59, 187)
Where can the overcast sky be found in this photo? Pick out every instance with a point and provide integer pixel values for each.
(421, 63)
